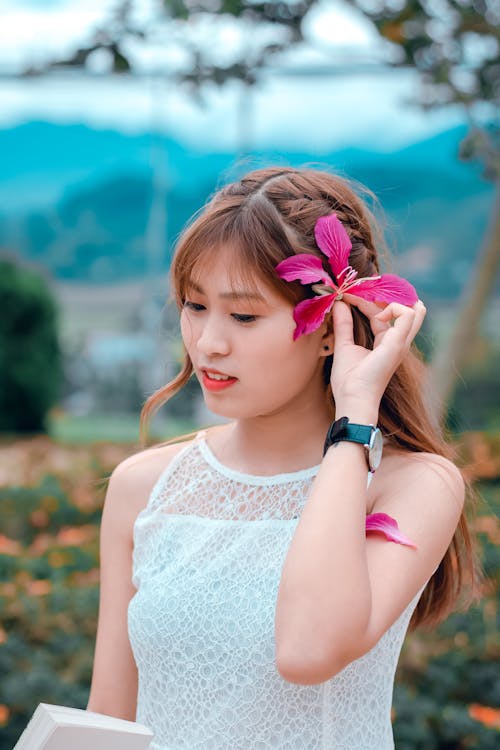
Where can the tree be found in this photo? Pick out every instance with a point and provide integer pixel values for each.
(179, 25)
(454, 44)
(30, 357)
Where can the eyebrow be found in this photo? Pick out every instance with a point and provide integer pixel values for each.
(244, 294)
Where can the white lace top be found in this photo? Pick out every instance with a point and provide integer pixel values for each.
(208, 553)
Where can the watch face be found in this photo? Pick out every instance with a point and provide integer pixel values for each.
(375, 449)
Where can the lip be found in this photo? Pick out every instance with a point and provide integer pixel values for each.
(216, 385)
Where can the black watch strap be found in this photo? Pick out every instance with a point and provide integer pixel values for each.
(342, 429)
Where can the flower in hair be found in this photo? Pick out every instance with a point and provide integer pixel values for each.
(333, 240)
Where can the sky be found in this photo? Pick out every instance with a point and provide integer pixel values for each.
(32, 30)
(353, 108)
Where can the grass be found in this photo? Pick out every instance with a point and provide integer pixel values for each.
(115, 428)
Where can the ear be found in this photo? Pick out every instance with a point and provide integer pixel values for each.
(327, 340)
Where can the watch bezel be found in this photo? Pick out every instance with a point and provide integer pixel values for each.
(375, 448)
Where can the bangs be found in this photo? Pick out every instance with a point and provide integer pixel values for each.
(252, 239)
(243, 274)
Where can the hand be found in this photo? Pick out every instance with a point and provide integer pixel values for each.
(359, 375)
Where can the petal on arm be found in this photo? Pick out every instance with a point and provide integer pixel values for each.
(310, 313)
(386, 288)
(333, 240)
(388, 526)
(304, 268)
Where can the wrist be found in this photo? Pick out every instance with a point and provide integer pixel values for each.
(368, 436)
(360, 413)
(347, 447)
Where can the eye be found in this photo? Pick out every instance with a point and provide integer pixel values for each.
(244, 318)
(193, 306)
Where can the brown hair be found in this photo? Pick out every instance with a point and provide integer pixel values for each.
(269, 215)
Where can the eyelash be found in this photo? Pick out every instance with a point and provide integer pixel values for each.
(239, 318)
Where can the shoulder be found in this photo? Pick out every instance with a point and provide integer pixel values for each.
(144, 468)
(402, 467)
(133, 479)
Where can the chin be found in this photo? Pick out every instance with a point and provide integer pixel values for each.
(228, 413)
(217, 407)
(241, 408)
(234, 409)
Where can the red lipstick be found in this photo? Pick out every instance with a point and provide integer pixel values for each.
(212, 384)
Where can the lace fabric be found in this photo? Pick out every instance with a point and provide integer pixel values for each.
(208, 552)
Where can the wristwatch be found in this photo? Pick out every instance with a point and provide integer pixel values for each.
(367, 434)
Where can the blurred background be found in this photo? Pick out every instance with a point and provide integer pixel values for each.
(117, 121)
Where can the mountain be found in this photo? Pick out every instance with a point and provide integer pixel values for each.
(79, 201)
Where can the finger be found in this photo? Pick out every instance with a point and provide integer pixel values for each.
(420, 313)
(342, 324)
(367, 308)
(380, 324)
(403, 318)
(370, 310)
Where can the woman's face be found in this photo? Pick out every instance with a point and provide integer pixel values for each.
(241, 345)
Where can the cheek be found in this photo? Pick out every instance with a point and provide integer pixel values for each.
(290, 360)
(187, 330)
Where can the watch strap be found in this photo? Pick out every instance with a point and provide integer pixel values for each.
(342, 429)
(358, 433)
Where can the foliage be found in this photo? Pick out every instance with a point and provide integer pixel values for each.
(30, 357)
(475, 404)
(454, 44)
(119, 428)
(447, 695)
(174, 26)
(48, 575)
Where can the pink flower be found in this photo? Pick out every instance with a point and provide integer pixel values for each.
(333, 240)
(386, 525)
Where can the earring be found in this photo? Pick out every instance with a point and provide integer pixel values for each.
(326, 347)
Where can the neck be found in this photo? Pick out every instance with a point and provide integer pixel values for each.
(287, 441)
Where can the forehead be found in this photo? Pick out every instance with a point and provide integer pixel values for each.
(227, 274)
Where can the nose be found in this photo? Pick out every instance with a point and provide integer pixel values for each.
(213, 338)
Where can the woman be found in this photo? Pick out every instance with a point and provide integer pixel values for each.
(258, 580)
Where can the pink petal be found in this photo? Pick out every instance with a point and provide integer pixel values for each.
(310, 313)
(303, 267)
(333, 240)
(388, 526)
(386, 288)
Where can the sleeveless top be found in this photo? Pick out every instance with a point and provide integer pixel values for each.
(208, 552)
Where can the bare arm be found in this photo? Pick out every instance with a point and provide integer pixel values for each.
(339, 590)
(114, 678)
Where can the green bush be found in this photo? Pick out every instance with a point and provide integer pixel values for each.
(48, 601)
(447, 693)
(475, 404)
(436, 698)
(30, 356)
